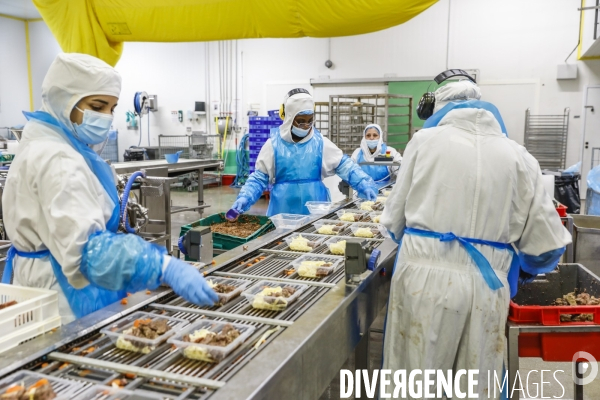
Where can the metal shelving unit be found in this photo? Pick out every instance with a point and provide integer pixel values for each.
(546, 138)
(322, 117)
(349, 114)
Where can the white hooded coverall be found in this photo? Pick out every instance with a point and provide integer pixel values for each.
(463, 176)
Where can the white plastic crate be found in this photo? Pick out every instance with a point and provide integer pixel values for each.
(33, 307)
(25, 333)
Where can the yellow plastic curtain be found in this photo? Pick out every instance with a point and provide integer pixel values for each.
(99, 27)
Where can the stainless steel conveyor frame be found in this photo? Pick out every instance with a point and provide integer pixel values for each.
(314, 337)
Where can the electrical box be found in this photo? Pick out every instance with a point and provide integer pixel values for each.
(198, 243)
(566, 71)
(152, 102)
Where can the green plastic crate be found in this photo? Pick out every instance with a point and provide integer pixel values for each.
(228, 242)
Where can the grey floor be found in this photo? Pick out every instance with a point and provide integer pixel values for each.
(221, 199)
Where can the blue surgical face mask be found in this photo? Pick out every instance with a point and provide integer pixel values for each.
(94, 126)
(372, 144)
(300, 132)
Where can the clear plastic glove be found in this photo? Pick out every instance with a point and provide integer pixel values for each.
(189, 283)
(367, 190)
(240, 204)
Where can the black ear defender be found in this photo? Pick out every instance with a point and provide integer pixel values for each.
(427, 102)
(287, 96)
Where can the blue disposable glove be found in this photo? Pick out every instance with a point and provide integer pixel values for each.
(240, 204)
(189, 283)
(367, 190)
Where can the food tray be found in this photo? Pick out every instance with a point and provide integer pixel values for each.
(343, 225)
(361, 213)
(64, 389)
(319, 207)
(321, 271)
(350, 239)
(376, 228)
(531, 305)
(101, 392)
(252, 293)
(289, 221)
(360, 205)
(208, 353)
(34, 306)
(386, 192)
(374, 214)
(240, 285)
(317, 239)
(137, 344)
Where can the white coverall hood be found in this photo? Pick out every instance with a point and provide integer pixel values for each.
(365, 148)
(294, 105)
(461, 90)
(73, 76)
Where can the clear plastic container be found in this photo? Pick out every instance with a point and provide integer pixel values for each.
(136, 344)
(64, 389)
(289, 221)
(272, 303)
(206, 352)
(374, 216)
(337, 239)
(224, 298)
(340, 226)
(314, 271)
(101, 392)
(386, 192)
(370, 206)
(382, 199)
(358, 214)
(313, 240)
(319, 207)
(375, 229)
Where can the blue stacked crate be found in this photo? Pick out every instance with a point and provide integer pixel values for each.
(260, 131)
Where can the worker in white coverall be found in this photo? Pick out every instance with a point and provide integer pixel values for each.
(465, 190)
(61, 208)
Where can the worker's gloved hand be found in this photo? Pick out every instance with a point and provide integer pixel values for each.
(367, 190)
(240, 204)
(525, 277)
(189, 283)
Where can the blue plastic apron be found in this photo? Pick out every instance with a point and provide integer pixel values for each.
(482, 263)
(297, 175)
(91, 298)
(435, 119)
(380, 174)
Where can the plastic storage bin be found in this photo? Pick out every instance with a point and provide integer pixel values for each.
(319, 207)
(136, 344)
(317, 272)
(375, 229)
(289, 221)
(36, 310)
(228, 242)
(272, 303)
(240, 285)
(64, 389)
(531, 305)
(358, 214)
(208, 353)
(312, 238)
(339, 224)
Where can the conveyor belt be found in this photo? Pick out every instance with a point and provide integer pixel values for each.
(94, 359)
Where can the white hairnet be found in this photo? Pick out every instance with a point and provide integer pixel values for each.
(73, 76)
(461, 90)
(365, 148)
(293, 106)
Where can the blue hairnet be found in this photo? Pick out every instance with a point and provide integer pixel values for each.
(306, 112)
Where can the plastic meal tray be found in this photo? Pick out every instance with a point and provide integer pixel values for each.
(255, 290)
(337, 239)
(376, 228)
(361, 213)
(205, 352)
(101, 392)
(319, 207)
(240, 285)
(64, 389)
(343, 225)
(316, 239)
(140, 345)
(321, 271)
(374, 214)
(368, 211)
(289, 221)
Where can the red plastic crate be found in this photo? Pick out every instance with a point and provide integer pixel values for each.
(227, 180)
(555, 346)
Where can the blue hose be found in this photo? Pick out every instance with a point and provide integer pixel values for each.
(243, 163)
(125, 197)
